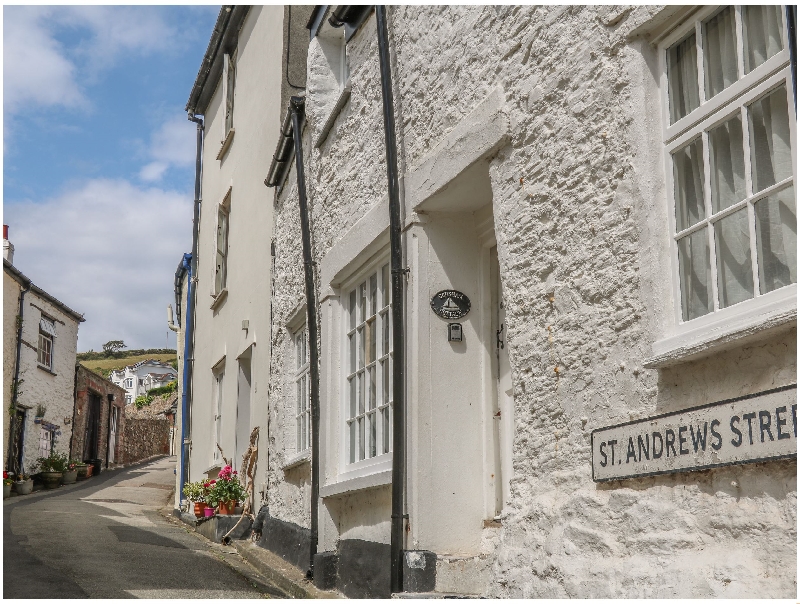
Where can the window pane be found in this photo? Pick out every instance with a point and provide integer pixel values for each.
(688, 173)
(763, 34)
(719, 50)
(727, 164)
(387, 429)
(373, 434)
(684, 96)
(387, 284)
(770, 148)
(385, 369)
(362, 302)
(371, 382)
(361, 393)
(360, 438)
(387, 338)
(353, 340)
(222, 231)
(695, 275)
(352, 429)
(352, 381)
(353, 309)
(373, 294)
(776, 240)
(371, 341)
(304, 434)
(361, 347)
(734, 266)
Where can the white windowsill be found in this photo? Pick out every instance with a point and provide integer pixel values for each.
(226, 143)
(214, 467)
(337, 107)
(297, 460)
(219, 299)
(751, 322)
(368, 477)
(46, 368)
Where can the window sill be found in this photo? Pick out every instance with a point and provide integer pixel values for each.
(344, 95)
(219, 299)
(226, 144)
(45, 368)
(212, 468)
(753, 322)
(352, 482)
(297, 460)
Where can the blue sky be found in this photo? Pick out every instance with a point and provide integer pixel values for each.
(98, 158)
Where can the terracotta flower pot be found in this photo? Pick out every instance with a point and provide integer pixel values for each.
(226, 507)
(51, 480)
(83, 472)
(89, 470)
(23, 487)
(199, 509)
(70, 477)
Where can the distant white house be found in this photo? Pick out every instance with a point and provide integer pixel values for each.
(140, 378)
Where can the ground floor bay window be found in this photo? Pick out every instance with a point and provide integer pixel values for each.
(368, 391)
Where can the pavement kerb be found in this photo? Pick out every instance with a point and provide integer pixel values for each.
(272, 571)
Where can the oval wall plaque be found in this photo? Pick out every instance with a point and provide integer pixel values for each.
(450, 304)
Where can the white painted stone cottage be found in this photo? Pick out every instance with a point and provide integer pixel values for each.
(138, 379)
(612, 189)
(40, 341)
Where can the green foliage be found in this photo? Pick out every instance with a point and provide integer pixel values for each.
(168, 389)
(225, 488)
(57, 462)
(95, 356)
(143, 401)
(195, 491)
(40, 410)
(113, 346)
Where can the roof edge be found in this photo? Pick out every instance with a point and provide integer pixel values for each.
(20, 278)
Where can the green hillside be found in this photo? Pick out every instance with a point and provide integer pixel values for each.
(104, 365)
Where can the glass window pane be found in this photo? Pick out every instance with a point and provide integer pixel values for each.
(361, 347)
(353, 309)
(352, 429)
(353, 341)
(385, 380)
(304, 434)
(726, 153)
(719, 50)
(352, 381)
(776, 240)
(688, 173)
(373, 434)
(360, 438)
(373, 294)
(387, 429)
(361, 393)
(371, 382)
(362, 302)
(763, 34)
(695, 275)
(684, 95)
(386, 283)
(770, 146)
(734, 266)
(387, 338)
(371, 341)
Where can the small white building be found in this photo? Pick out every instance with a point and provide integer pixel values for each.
(141, 377)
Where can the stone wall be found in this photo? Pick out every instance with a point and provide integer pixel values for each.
(145, 438)
(580, 208)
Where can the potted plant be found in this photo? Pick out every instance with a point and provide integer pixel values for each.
(7, 482)
(51, 469)
(82, 470)
(195, 492)
(227, 491)
(23, 484)
(70, 472)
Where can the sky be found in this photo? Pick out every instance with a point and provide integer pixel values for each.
(99, 157)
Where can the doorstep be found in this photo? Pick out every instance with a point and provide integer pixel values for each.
(434, 595)
(214, 528)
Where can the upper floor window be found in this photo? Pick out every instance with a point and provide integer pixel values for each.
(221, 267)
(368, 393)
(129, 383)
(47, 334)
(302, 391)
(230, 88)
(730, 142)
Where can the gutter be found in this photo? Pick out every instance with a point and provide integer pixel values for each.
(20, 278)
(282, 158)
(398, 334)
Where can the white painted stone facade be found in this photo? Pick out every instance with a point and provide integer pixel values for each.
(51, 387)
(141, 377)
(536, 129)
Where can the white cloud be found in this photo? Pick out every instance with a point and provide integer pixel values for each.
(39, 70)
(172, 145)
(107, 249)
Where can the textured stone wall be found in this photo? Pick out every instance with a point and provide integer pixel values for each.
(580, 213)
(145, 438)
(11, 290)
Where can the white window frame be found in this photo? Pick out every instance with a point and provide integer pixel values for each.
(302, 390)
(128, 382)
(744, 91)
(44, 351)
(230, 89)
(382, 313)
(220, 286)
(47, 441)
(334, 42)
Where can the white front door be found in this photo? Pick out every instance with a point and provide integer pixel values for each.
(112, 435)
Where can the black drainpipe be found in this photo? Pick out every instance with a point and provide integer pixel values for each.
(297, 107)
(12, 458)
(188, 360)
(791, 26)
(398, 335)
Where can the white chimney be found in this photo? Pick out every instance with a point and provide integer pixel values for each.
(8, 247)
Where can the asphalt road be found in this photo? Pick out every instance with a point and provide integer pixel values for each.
(106, 538)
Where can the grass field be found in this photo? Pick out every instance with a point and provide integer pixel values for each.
(104, 366)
